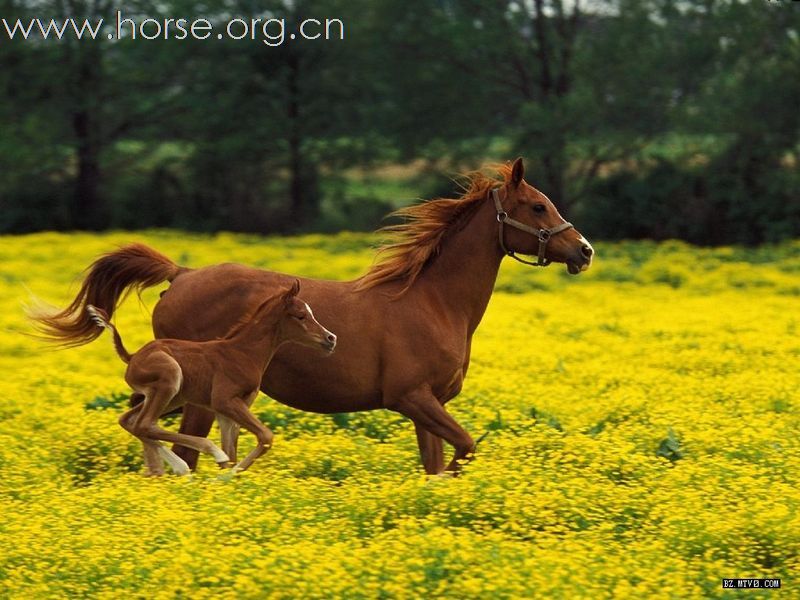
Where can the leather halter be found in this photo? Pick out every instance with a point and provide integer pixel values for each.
(543, 235)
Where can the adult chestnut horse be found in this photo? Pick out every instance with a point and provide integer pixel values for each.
(405, 328)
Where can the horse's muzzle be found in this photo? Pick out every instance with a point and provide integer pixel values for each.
(581, 259)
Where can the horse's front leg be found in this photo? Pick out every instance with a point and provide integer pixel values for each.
(430, 450)
(422, 407)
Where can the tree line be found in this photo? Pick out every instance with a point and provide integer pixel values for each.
(641, 118)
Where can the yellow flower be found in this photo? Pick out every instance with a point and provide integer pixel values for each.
(643, 442)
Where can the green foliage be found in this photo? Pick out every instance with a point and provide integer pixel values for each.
(670, 447)
(88, 459)
(545, 418)
(117, 401)
(640, 118)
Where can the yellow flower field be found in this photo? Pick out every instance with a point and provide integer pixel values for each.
(644, 441)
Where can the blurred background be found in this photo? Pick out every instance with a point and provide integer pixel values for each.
(640, 119)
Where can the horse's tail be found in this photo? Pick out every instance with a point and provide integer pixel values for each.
(100, 319)
(110, 278)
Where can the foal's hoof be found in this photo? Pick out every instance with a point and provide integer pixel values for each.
(182, 470)
(219, 456)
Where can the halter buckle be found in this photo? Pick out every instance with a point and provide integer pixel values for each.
(544, 235)
(502, 216)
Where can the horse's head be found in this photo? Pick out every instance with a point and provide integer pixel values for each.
(531, 224)
(299, 325)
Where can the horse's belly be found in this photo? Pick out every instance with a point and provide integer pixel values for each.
(305, 379)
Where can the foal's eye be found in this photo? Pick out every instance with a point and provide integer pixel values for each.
(539, 208)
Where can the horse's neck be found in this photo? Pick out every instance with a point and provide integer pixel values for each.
(463, 274)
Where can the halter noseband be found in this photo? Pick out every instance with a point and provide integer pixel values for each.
(543, 235)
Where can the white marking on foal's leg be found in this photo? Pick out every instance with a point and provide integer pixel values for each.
(219, 454)
(175, 462)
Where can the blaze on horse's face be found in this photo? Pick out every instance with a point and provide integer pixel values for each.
(530, 206)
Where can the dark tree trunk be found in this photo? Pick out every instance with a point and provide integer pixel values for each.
(303, 191)
(89, 214)
(555, 37)
(554, 175)
(89, 211)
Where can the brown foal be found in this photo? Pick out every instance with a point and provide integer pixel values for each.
(222, 376)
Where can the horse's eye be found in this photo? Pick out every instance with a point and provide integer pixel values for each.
(539, 208)
(300, 317)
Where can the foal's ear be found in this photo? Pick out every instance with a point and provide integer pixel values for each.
(517, 172)
(293, 291)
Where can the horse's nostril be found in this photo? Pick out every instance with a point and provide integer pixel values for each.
(331, 338)
(586, 251)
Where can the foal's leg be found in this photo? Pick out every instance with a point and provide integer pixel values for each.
(154, 453)
(195, 421)
(152, 458)
(148, 428)
(422, 407)
(238, 410)
(229, 430)
(160, 398)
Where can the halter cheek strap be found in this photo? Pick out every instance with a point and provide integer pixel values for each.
(543, 235)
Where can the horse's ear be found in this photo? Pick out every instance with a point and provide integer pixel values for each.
(293, 291)
(517, 172)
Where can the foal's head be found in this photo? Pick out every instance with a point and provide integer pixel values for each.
(297, 323)
(528, 205)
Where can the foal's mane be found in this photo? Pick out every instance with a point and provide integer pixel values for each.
(412, 245)
(250, 316)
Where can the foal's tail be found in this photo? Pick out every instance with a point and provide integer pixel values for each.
(100, 318)
(110, 278)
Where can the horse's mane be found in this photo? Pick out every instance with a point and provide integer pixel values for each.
(412, 245)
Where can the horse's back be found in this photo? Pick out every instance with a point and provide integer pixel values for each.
(203, 304)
